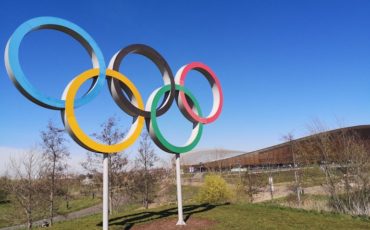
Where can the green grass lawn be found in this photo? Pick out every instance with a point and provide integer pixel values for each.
(189, 193)
(11, 214)
(5, 210)
(77, 204)
(234, 216)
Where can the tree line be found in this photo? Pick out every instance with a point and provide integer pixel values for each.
(41, 179)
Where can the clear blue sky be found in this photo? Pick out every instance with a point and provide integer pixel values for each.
(281, 64)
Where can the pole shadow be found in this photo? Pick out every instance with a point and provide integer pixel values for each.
(128, 221)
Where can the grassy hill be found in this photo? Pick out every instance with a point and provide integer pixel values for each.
(233, 216)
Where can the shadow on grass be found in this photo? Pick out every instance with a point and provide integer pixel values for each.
(128, 221)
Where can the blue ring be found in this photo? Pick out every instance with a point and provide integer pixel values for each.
(20, 80)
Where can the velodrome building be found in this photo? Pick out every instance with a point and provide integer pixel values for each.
(276, 156)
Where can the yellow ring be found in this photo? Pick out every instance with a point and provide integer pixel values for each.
(74, 129)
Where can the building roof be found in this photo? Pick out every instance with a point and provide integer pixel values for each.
(215, 155)
(208, 155)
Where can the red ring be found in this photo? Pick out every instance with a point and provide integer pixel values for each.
(216, 89)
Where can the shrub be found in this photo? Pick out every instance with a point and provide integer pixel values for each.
(214, 190)
(3, 192)
(356, 202)
(3, 196)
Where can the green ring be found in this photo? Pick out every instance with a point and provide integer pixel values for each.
(163, 143)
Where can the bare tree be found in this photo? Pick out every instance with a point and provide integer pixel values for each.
(344, 157)
(55, 153)
(93, 165)
(269, 173)
(145, 160)
(64, 189)
(297, 186)
(26, 185)
(3, 192)
(252, 184)
(220, 154)
(110, 134)
(166, 175)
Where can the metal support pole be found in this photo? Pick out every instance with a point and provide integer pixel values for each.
(105, 192)
(179, 195)
(271, 182)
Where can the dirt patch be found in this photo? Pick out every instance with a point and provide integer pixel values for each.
(170, 224)
(281, 190)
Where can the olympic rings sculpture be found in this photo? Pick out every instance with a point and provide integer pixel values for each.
(123, 91)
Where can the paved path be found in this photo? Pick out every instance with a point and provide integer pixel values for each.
(70, 216)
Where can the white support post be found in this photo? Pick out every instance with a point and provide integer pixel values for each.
(179, 194)
(271, 182)
(105, 192)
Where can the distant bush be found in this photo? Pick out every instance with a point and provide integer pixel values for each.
(214, 190)
(3, 196)
(3, 193)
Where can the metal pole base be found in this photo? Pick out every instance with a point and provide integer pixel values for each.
(180, 222)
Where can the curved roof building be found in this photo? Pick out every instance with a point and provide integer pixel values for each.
(280, 154)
